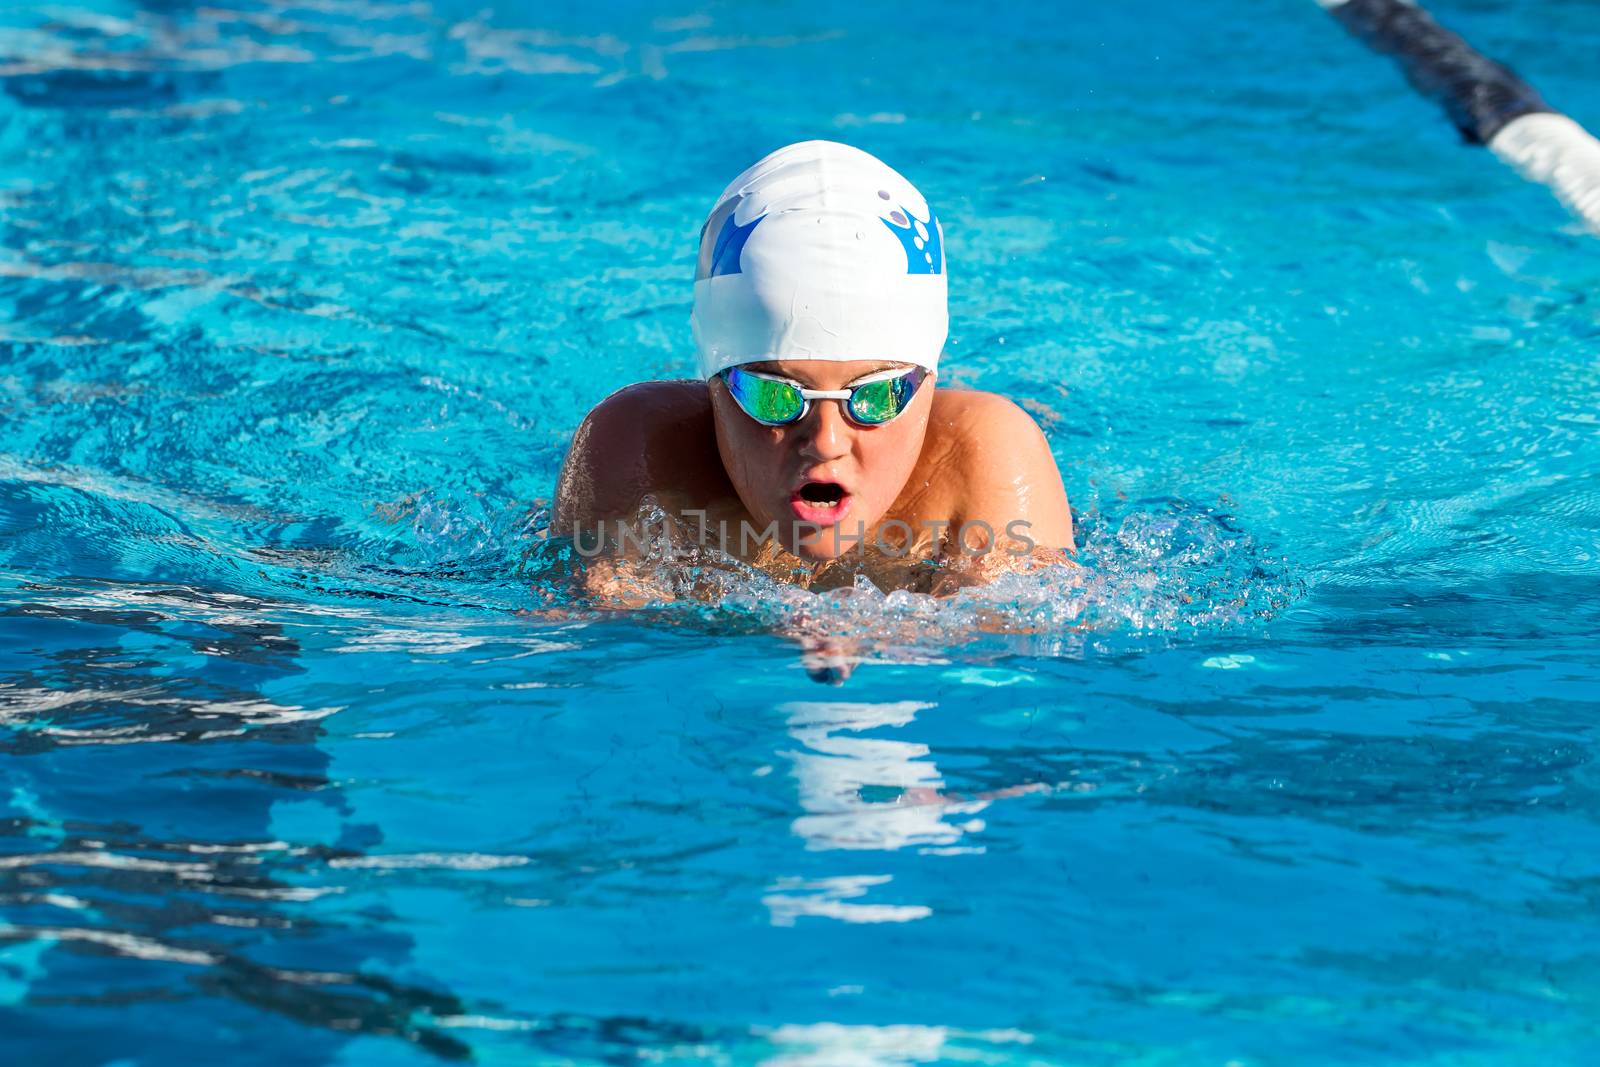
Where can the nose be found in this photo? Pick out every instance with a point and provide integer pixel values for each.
(826, 433)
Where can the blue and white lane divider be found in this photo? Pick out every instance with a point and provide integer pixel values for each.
(1486, 100)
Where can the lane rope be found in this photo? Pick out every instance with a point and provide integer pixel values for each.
(1486, 100)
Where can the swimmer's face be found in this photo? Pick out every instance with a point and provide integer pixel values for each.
(824, 475)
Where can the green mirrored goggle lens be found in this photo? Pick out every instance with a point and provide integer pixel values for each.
(764, 400)
(878, 402)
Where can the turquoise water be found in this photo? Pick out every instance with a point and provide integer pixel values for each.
(301, 304)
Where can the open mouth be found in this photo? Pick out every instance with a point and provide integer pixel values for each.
(822, 494)
(820, 502)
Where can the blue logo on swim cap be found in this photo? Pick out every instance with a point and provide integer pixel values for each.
(924, 247)
(729, 246)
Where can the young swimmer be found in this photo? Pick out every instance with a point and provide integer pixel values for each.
(815, 437)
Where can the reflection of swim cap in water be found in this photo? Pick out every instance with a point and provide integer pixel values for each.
(819, 251)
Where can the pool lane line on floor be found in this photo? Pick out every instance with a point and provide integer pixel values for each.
(1488, 102)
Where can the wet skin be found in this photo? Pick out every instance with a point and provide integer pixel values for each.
(955, 463)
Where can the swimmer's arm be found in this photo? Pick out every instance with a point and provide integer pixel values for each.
(644, 440)
(608, 472)
(603, 476)
(1013, 486)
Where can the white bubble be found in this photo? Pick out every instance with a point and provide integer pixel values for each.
(918, 241)
(922, 231)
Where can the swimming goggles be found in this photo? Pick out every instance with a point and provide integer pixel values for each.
(872, 401)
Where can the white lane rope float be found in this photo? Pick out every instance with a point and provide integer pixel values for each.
(1488, 102)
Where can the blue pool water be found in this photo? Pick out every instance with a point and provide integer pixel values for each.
(299, 305)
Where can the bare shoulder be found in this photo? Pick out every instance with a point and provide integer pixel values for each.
(1003, 465)
(977, 425)
(647, 437)
(645, 408)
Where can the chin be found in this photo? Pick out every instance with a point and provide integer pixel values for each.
(819, 551)
(835, 541)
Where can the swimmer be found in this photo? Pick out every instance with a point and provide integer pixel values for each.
(816, 435)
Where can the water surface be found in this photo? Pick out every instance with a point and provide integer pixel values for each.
(299, 306)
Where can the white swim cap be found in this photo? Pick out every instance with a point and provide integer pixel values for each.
(820, 251)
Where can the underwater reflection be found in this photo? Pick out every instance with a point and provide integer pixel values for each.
(870, 792)
(866, 794)
(833, 1044)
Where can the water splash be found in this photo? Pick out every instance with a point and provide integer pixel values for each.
(1161, 567)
